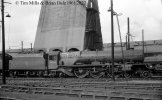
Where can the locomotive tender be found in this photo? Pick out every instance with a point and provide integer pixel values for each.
(81, 64)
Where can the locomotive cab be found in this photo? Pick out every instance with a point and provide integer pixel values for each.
(53, 62)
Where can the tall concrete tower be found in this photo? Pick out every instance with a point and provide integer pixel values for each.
(69, 25)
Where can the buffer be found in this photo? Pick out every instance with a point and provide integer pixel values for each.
(69, 25)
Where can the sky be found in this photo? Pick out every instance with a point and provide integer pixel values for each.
(143, 14)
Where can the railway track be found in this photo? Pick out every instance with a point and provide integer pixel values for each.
(132, 89)
(66, 82)
(125, 93)
(21, 79)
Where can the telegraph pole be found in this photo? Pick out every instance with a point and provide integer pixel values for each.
(112, 39)
(143, 43)
(3, 44)
(126, 42)
(128, 34)
(31, 46)
(22, 44)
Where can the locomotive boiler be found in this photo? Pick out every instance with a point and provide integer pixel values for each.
(98, 63)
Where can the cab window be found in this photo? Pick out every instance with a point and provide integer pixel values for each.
(53, 57)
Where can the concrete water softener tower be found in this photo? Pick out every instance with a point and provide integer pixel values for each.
(69, 25)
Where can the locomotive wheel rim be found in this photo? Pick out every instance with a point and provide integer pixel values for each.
(127, 75)
(81, 73)
(0, 73)
(108, 75)
(145, 74)
(11, 74)
(96, 74)
(27, 74)
(40, 74)
(62, 75)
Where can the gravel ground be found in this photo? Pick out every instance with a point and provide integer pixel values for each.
(23, 96)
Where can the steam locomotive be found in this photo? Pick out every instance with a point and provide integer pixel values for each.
(81, 64)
